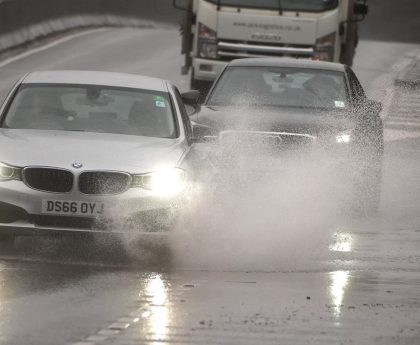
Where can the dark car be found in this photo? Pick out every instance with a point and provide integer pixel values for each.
(292, 106)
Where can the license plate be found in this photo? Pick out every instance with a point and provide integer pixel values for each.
(73, 208)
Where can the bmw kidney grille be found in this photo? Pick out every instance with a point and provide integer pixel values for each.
(103, 182)
(49, 179)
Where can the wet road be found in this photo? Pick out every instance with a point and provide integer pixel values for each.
(341, 281)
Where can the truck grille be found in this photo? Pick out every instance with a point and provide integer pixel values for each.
(49, 179)
(229, 50)
(103, 182)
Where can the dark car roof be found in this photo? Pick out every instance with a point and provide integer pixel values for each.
(287, 62)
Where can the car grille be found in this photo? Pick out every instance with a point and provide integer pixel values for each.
(103, 182)
(250, 141)
(296, 143)
(49, 179)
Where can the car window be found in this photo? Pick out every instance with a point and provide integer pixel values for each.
(92, 108)
(280, 87)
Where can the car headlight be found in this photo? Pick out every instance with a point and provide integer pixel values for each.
(343, 138)
(166, 182)
(207, 42)
(8, 172)
(325, 47)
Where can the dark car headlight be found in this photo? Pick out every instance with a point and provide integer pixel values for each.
(165, 182)
(8, 172)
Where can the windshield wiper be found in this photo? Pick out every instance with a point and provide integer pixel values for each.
(280, 7)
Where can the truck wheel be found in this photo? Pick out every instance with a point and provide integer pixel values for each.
(348, 49)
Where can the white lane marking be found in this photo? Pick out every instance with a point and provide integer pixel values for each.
(48, 46)
(96, 338)
(119, 326)
(123, 323)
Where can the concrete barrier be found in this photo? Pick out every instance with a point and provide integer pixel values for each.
(22, 21)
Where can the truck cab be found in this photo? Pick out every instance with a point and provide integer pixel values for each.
(218, 31)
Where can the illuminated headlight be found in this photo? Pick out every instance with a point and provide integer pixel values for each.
(325, 47)
(8, 172)
(343, 138)
(207, 42)
(165, 182)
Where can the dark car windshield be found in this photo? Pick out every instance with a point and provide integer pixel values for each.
(91, 108)
(280, 87)
(286, 5)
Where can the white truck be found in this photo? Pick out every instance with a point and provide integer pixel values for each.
(218, 31)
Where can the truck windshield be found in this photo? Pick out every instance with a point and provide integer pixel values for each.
(286, 5)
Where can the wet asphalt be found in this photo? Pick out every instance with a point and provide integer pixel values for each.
(361, 285)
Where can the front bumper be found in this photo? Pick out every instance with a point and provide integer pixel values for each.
(207, 70)
(134, 211)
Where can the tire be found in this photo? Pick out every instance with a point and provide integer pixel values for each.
(151, 252)
(155, 221)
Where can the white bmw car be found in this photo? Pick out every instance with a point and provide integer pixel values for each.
(92, 151)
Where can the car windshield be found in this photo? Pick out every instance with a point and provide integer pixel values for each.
(286, 5)
(280, 87)
(92, 108)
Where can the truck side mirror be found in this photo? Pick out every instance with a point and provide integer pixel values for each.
(183, 5)
(360, 8)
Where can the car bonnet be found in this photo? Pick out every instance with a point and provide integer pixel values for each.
(94, 151)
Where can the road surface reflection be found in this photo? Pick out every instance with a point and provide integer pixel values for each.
(157, 315)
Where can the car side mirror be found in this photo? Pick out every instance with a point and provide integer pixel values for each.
(191, 100)
(202, 133)
(360, 8)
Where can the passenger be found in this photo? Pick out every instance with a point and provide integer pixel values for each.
(39, 106)
(325, 88)
(251, 88)
(149, 119)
